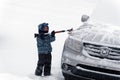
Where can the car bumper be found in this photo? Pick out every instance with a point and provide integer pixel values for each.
(81, 72)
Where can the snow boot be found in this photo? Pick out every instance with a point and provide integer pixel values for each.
(38, 71)
(47, 70)
(47, 66)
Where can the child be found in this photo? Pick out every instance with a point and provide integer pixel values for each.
(44, 50)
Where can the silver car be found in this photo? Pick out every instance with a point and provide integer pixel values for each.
(92, 52)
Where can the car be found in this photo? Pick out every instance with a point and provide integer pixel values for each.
(92, 52)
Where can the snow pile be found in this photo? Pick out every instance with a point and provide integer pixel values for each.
(7, 76)
(56, 75)
(105, 34)
(33, 77)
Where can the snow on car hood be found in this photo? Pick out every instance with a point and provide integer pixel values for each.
(102, 34)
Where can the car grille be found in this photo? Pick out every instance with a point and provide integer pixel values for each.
(102, 51)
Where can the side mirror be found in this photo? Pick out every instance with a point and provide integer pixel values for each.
(84, 18)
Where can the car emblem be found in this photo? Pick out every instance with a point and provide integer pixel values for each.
(104, 52)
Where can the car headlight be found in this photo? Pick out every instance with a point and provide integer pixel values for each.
(74, 44)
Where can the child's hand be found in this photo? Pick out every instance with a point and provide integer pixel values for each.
(53, 33)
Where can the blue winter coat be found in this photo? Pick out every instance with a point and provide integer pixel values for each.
(44, 46)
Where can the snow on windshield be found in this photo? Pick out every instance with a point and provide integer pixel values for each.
(106, 34)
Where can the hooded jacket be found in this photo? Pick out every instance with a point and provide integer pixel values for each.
(44, 45)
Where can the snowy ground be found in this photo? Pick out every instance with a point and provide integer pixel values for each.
(18, 22)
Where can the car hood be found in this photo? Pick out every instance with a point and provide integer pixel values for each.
(99, 34)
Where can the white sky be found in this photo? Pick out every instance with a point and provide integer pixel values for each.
(107, 12)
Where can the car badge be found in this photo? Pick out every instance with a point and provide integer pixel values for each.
(104, 52)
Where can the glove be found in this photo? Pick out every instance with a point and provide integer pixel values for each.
(53, 33)
(35, 35)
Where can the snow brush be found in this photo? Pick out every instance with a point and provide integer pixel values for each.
(61, 31)
(69, 30)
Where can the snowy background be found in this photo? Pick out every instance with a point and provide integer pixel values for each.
(18, 23)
